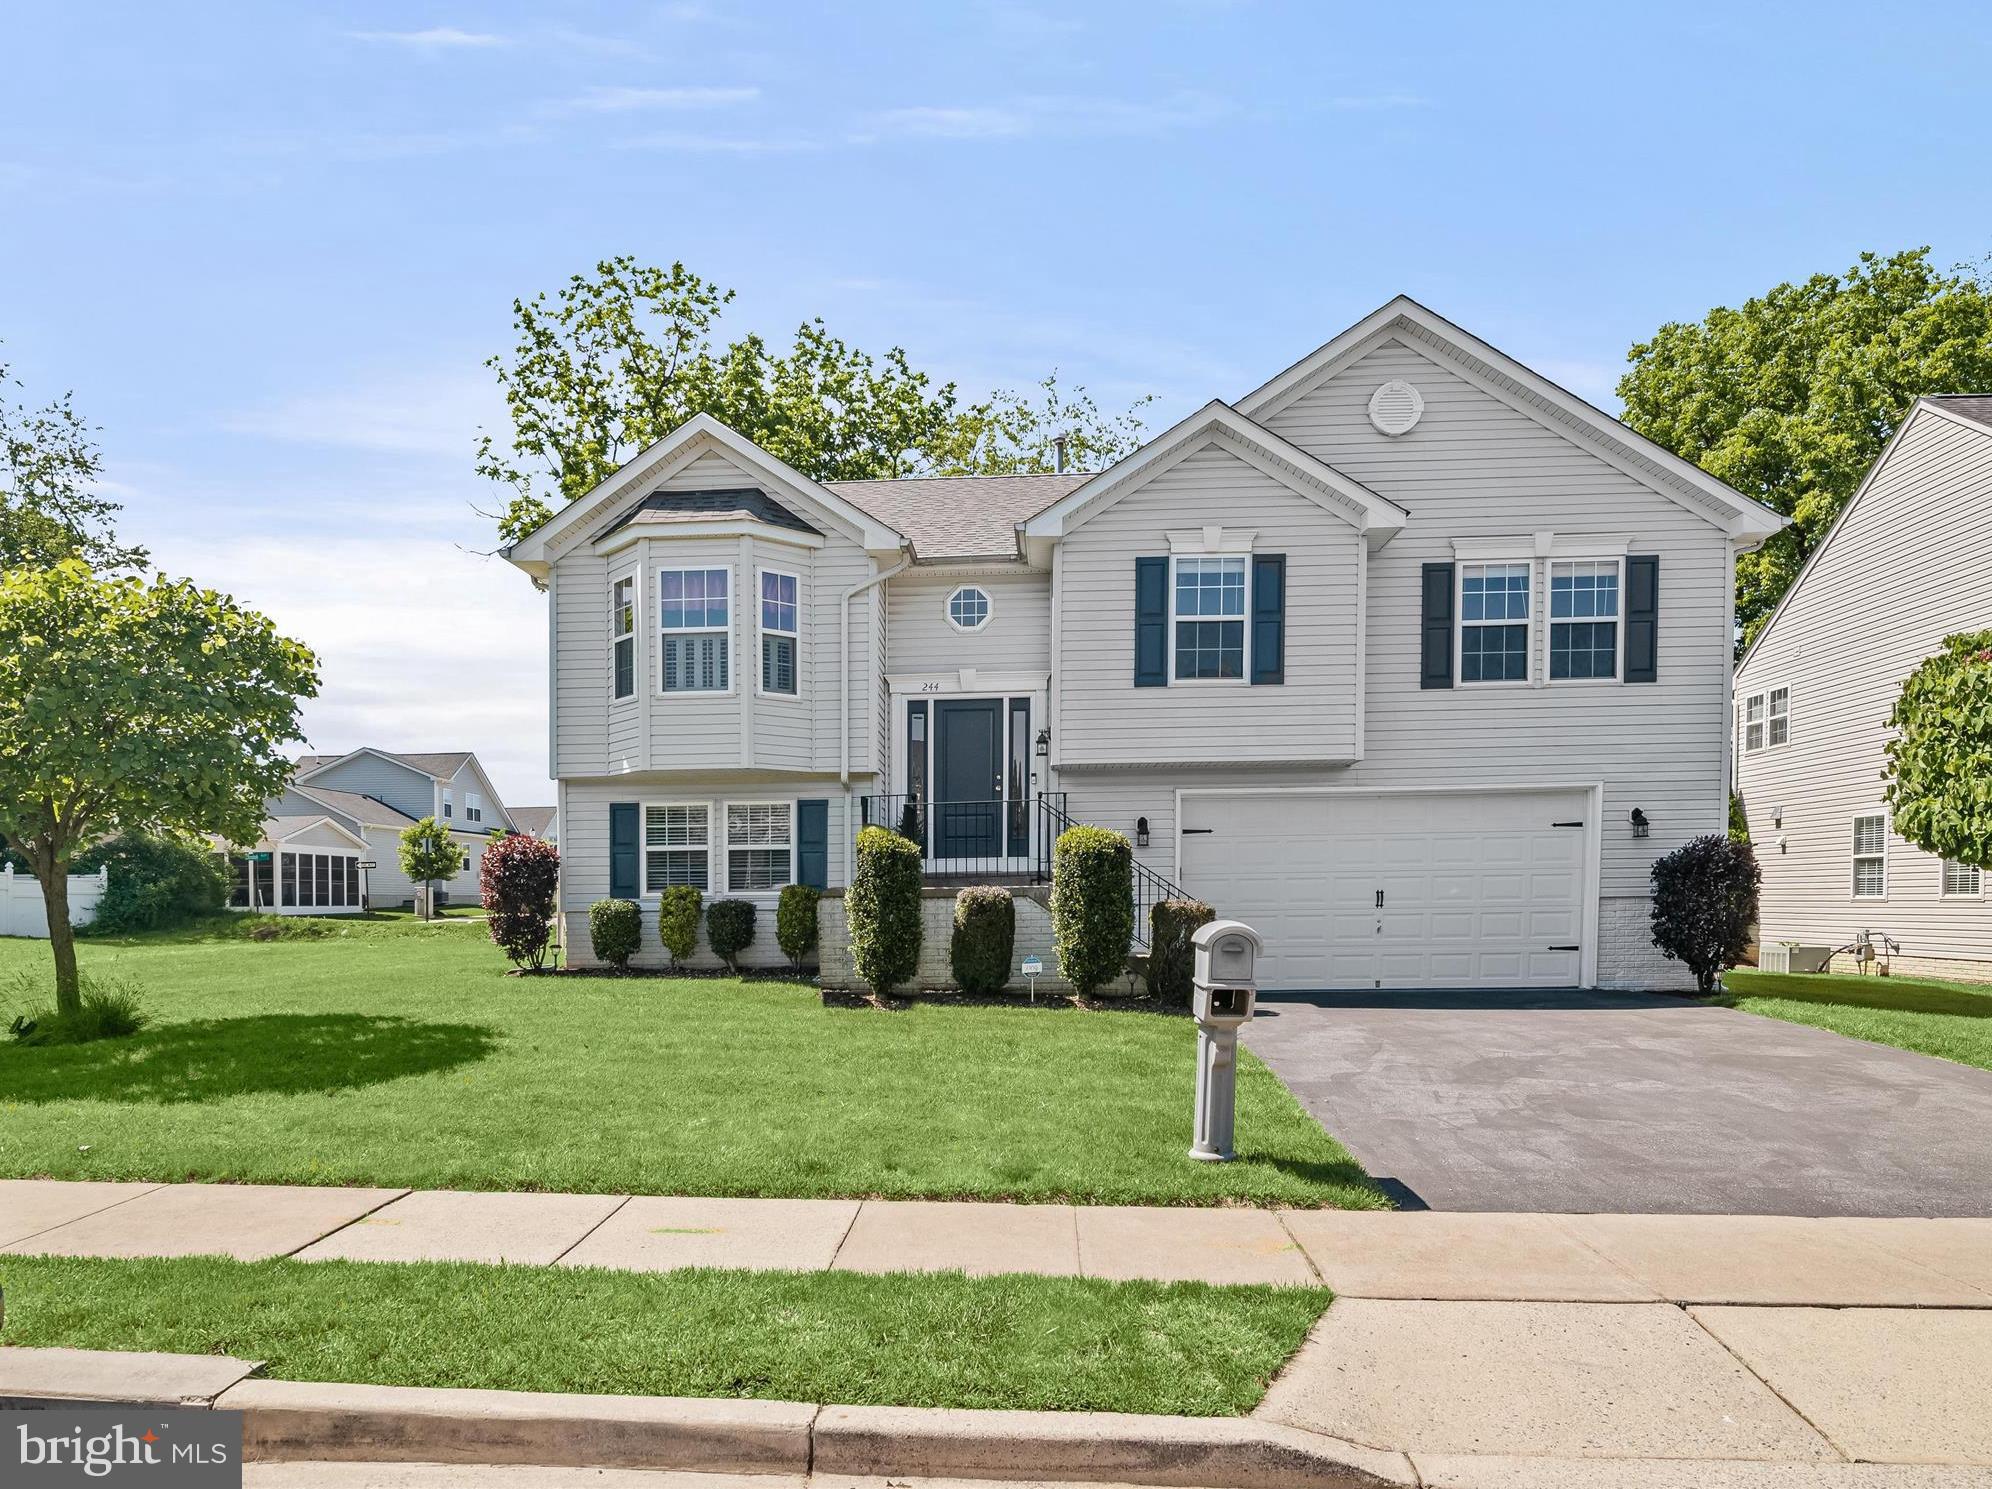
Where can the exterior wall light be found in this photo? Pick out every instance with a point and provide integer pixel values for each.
(1043, 742)
(1141, 832)
(1639, 823)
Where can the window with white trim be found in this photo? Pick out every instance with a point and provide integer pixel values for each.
(1494, 622)
(677, 846)
(695, 619)
(473, 807)
(622, 636)
(1870, 856)
(968, 608)
(760, 845)
(1961, 880)
(779, 612)
(1207, 618)
(449, 805)
(1753, 723)
(1777, 722)
(1583, 619)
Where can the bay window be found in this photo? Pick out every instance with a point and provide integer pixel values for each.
(695, 619)
(779, 621)
(622, 635)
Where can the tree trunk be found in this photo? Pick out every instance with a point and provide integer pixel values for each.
(61, 936)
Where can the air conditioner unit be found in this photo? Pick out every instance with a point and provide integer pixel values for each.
(1791, 956)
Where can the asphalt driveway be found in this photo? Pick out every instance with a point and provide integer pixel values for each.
(1583, 1102)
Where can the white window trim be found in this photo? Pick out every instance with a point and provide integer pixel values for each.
(730, 630)
(1550, 622)
(762, 632)
(988, 599)
(1854, 858)
(1460, 622)
(1943, 882)
(1244, 678)
(473, 807)
(1771, 690)
(727, 845)
(1743, 720)
(449, 805)
(634, 578)
(643, 812)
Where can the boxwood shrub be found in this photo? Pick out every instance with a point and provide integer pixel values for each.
(1092, 905)
(615, 931)
(730, 929)
(883, 908)
(1171, 958)
(678, 921)
(985, 935)
(795, 924)
(1704, 903)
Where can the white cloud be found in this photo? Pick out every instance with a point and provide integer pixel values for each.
(434, 39)
(721, 144)
(1376, 101)
(428, 413)
(636, 100)
(1044, 114)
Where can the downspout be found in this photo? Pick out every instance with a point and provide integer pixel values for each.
(844, 693)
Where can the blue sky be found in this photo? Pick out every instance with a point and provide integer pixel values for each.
(269, 246)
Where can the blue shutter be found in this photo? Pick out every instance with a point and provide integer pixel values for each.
(1151, 622)
(1269, 617)
(624, 881)
(1435, 651)
(1642, 619)
(812, 844)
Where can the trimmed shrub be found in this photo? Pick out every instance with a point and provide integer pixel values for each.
(985, 934)
(518, 879)
(730, 929)
(1092, 905)
(795, 923)
(883, 908)
(109, 1010)
(1172, 960)
(678, 921)
(615, 931)
(157, 883)
(1704, 903)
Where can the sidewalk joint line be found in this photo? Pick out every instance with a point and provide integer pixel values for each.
(1279, 1217)
(148, 1189)
(349, 1224)
(613, 1211)
(849, 1226)
(1757, 1375)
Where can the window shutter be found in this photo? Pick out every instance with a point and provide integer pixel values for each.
(1642, 618)
(1436, 628)
(812, 844)
(1269, 617)
(1151, 622)
(624, 882)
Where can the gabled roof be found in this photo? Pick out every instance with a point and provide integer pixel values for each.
(709, 506)
(533, 820)
(951, 517)
(1976, 407)
(370, 810)
(1499, 373)
(1375, 516)
(283, 829)
(441, 765)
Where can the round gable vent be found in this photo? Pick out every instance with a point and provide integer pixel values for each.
(1396, 407)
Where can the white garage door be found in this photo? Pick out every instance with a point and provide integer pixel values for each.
(1427, 890)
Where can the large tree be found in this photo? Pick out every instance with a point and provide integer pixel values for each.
(1791, 397)
(127, 704)
(621, 357)
(51, 507)
(1940, 752)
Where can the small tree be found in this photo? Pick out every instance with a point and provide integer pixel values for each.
(615, 931)
(429, 857)
(1704, 904)
(883, 909)
(730, 930)
(1940, 757)
(985, 935)
(127, 704)
(519, 879)
(1171, 958)
(1092, 905)
(795, 923)
(678, 921)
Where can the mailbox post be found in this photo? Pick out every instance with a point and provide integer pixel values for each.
(1224, 988)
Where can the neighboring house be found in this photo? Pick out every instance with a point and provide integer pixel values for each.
(539, 822)
(379, 793)
(1908, 563)
(309, 859)
(1382, 659)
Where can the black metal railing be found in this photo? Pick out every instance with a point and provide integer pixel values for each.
(985, 842)
(1150, 888)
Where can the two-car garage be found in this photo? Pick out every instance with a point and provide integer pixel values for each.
(1437, 889)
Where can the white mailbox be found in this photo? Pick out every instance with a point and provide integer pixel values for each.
(1223, 989)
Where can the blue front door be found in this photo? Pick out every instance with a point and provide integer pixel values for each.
(967, 815)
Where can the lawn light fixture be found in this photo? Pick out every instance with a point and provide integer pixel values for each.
(1639, 823)
(1141, 832)
(1043, 742)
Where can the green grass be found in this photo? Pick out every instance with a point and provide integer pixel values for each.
(908, 1339)
(1951, 1020)
(400, 1054)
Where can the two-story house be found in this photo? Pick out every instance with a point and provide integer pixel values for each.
(1905, 565)
(1408, 658)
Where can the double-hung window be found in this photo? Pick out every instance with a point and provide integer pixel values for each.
(449, 804)
(473, 807)
(1778, 722)
(1961, 880)
(695, 619)
(1583, 619)
(1766, 719)
(1494, 622)
(1208, 615)
(1870, 856)
(622, 635)
(760, 845)
(778, 632)
(677, 847)
(1753, 723)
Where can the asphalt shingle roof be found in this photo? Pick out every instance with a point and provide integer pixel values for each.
(361, 808)
(959, 516)
(1976, 407)
(532, 819)
(704, 506)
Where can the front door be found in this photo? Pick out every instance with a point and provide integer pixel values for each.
(968, 779)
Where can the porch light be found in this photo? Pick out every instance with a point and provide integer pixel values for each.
(1141, 832)
(1044, 742)
(1639, 823)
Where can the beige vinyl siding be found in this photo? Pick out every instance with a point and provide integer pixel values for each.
(587, 737)
(1105, 720)
(1905, 568)
(783, 726)
(1016, 637)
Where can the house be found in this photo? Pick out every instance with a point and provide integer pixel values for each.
(1905, 565)
(540, 822)
(1409, 658)
(309, 859)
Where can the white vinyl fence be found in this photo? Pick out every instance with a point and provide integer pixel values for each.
(21, 912)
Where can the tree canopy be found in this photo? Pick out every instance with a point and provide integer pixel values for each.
(1940, 752)
(50, 504)
(428, 855)
(620, 358)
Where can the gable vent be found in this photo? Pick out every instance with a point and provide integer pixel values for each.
(1396, 407)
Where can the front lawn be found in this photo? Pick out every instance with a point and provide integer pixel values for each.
(400, 1054)
(933, 1339)
(1952, 1020)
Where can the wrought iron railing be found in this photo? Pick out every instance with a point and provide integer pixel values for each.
(990, 842)
(1150, 888)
